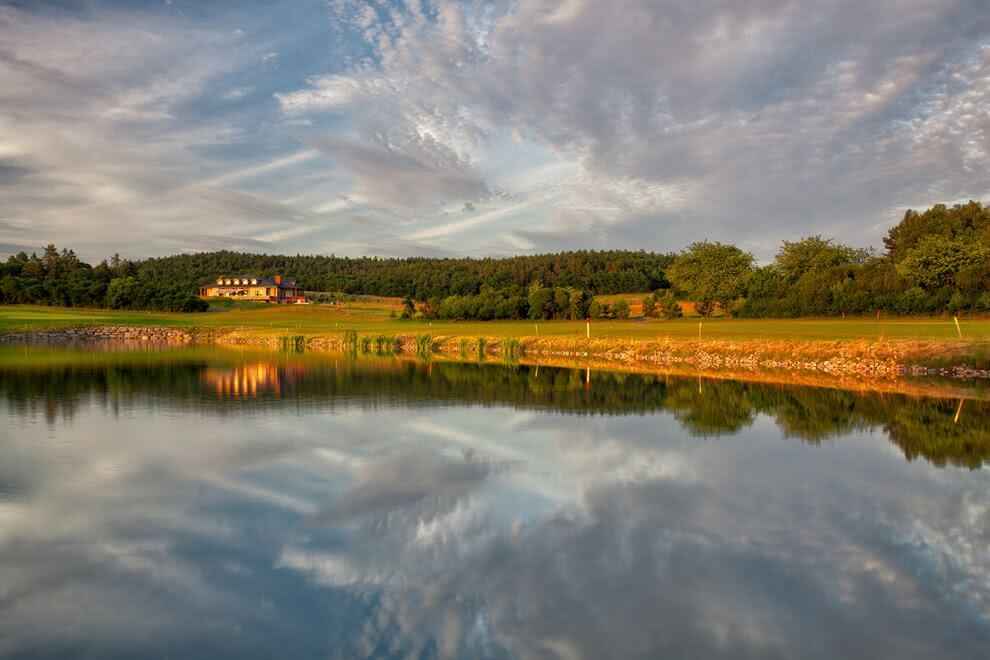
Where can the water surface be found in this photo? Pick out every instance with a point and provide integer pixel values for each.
(208, 505)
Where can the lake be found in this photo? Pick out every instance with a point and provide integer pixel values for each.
(217, 504)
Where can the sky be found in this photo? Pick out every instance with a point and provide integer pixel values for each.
(477, 128)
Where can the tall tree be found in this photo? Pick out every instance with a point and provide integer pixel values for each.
(711, 272)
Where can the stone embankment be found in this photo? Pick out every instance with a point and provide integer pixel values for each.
(861, 360)
(111, 333)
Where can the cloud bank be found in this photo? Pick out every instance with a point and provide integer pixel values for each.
(488, 127)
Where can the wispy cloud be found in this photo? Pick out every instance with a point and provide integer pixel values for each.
(768, 118)
(762, 120)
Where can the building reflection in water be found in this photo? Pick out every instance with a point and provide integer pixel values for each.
(251, 380)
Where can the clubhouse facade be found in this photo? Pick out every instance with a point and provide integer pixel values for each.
(275, 289)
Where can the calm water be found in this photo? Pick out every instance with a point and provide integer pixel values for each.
(197, 505)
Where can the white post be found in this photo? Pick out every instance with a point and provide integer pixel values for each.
(587, 327)
(958, 329)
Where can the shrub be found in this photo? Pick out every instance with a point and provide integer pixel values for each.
(958, 303)
(649, 306)
(668, 306)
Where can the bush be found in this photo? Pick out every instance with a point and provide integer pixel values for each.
(668, 306)
(705, 307)
(959, 302)
(912, 301)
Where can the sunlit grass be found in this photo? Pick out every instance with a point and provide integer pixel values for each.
(374, 320)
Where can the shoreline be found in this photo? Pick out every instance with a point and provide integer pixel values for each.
(872, 360)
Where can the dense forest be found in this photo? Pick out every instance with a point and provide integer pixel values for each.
(613, 271)
(934, 262)
(60, 278)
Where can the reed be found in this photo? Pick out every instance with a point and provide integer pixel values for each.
(512, 347)
(292, 343)
(424, 345)
(387, 344)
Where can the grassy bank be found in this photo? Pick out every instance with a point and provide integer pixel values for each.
(374, 319)
(870, 348)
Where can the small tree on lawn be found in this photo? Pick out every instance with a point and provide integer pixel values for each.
(668, 307)
(649, 307)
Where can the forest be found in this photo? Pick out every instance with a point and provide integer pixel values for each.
(60, 278)
(611, 271)
(933, 262)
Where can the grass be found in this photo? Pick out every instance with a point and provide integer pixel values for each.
(374, 320)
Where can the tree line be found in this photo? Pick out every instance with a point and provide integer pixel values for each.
(425, 278)
(61, 278)
(935, 261)
(536, 302)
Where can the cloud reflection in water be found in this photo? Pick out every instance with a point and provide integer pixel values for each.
(359, 521)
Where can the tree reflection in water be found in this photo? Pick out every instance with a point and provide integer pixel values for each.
(937, 430)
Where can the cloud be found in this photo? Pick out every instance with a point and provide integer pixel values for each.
(650, 547)
(117, 141)
(766, 118)
(417, 172)
(404, 480)
(329, 93)
(237, 93)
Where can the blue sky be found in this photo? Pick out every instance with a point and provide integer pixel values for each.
(484, 128)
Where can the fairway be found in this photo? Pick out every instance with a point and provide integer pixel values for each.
(315, 319)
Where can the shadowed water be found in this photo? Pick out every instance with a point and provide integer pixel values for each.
(193, 504)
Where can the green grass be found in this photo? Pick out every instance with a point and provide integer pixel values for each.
(373, 320)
